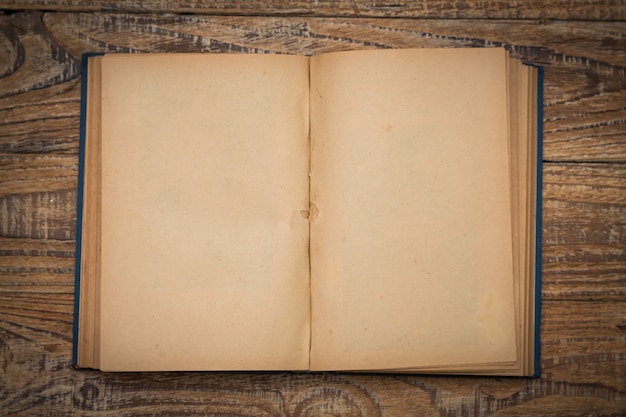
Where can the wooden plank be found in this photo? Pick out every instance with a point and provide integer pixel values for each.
(583, 366)
(585, 76)
(584, 231)
(467, 9)
(38, 196)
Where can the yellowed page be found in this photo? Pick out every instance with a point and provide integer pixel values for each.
(88, 317)
(204, 248)
(411, 250)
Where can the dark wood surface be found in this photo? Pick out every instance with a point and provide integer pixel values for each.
(582, 46)
(462, 9)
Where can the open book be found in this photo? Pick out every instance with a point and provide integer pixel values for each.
(358, 211)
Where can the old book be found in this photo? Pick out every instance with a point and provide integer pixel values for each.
(360, 211)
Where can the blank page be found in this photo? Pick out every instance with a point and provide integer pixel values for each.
(411, 250)
(204, 247)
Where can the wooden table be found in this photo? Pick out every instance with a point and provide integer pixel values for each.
(583, 48)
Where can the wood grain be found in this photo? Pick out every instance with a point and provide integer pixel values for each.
(584, 234)
(584, 231)
(467, 9)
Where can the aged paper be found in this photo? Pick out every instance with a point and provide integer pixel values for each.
(419, 219)
(204, 242)
(89, 264)
(411, 250)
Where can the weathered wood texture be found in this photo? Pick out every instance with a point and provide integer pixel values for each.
(465, 9)
(584, 254)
